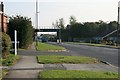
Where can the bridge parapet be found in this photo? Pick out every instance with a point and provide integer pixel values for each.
(47, 27)
(46, 30)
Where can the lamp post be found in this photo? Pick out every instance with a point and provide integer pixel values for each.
(36, 20)
(118, 33)
(118, 12)
(118, 24)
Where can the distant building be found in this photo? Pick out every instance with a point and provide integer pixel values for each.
(3, 19)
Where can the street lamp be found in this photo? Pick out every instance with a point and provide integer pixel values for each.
(118, 12)
(118, 31)
(36, 21)
(118, 24)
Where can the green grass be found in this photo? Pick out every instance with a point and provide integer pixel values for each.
(76, 74)
(48, 47)
(87, 44)
(91, 44)
(52, 59)
(3, 73)
(10, 60)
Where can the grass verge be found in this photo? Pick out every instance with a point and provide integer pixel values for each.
(91, 44)
(74, 74)
(53, 59)
(48, 47)
(10, 60)
(3, 73)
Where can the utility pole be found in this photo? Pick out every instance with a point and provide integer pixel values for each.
(118, 24)
(118, 12)
(37, 14)
(2, 16)
(36, 20)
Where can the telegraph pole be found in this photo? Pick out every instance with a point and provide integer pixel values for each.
(118, 24)
(2, 16)
(37, 14)
(118, 33)
(36, 20)
(118, 12)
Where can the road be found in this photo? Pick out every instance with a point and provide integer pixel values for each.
(105, 54)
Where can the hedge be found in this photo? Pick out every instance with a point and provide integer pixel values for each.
(6, 43)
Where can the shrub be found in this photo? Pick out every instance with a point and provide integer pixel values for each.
(6, 43)
(24, 28)
(10, 60)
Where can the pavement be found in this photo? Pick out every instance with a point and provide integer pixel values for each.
(89, 67)
(27, 67)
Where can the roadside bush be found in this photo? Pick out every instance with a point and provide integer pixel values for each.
(6, 43)
(24, 28)
(10, 60)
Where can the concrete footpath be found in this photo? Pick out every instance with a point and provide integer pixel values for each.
(90, 67)
(27, 67)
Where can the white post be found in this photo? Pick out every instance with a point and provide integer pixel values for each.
(15, 32)
(119, 12)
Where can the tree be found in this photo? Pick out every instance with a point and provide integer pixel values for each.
(103, 28)
(56, 24)
(72, 20)
(61, 23)
(113, 25)
(24, 28)
(90, 29)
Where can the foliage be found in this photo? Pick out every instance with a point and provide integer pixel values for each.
(76, 75)
(72, 20)
(24, 28)
(56, 24)
(53, 59)
(87, 30)
(10, 60)
(59, 24)
(3, 73)
(6, 43)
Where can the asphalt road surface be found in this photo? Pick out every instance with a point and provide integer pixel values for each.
(109, 55)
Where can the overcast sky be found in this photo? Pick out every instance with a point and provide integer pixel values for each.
(52, 10)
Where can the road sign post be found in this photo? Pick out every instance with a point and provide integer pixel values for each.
(15, 36)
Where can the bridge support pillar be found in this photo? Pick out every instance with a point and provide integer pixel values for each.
(59, 36)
